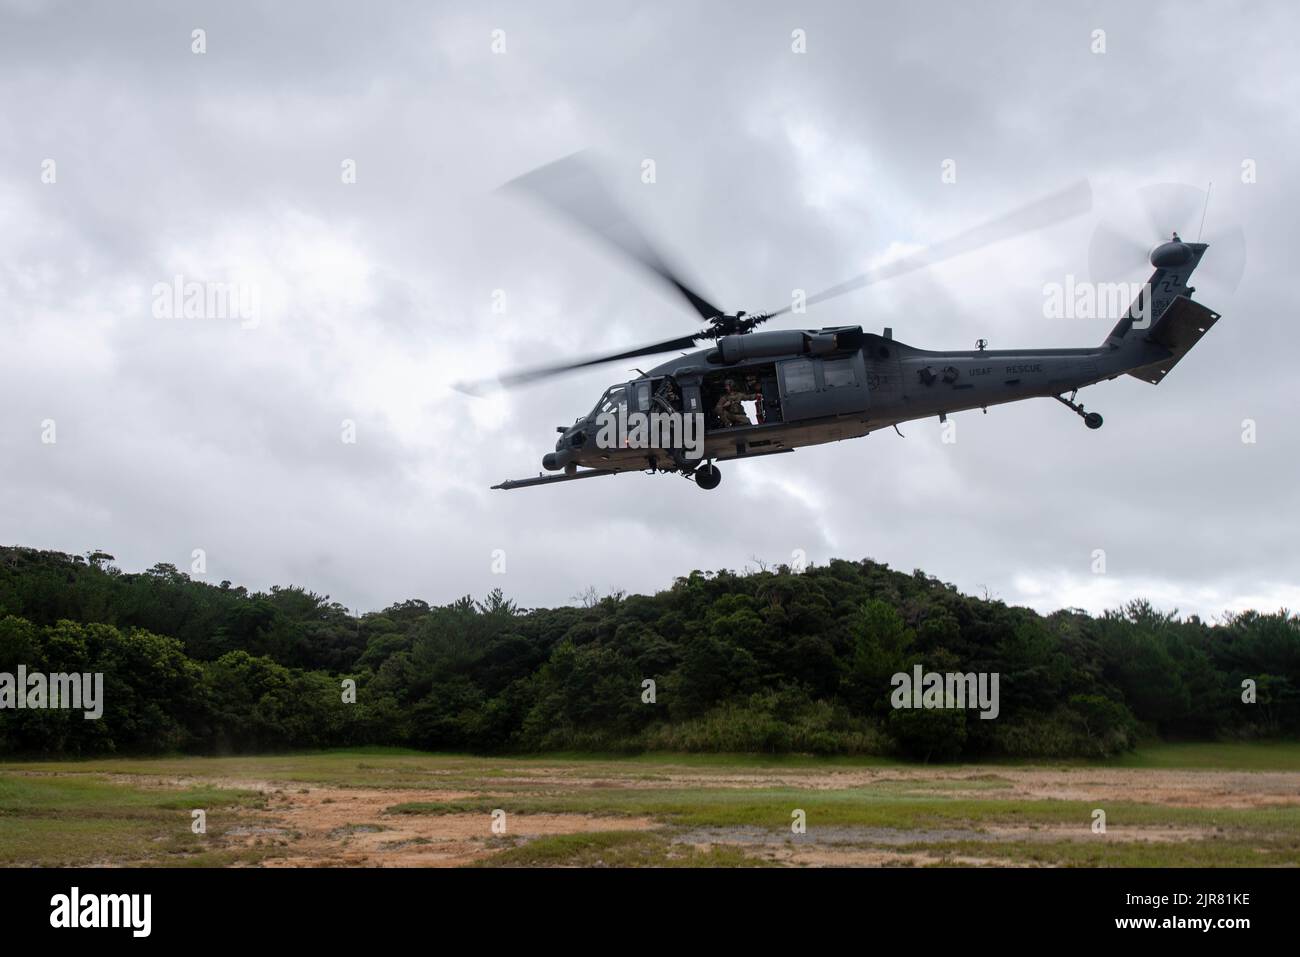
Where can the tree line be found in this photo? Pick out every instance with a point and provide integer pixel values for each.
(774, 660)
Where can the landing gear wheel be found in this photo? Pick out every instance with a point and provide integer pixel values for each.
(1091, 419)
(708, 476)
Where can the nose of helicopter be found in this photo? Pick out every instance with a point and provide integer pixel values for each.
(554, 461)
(566, 449)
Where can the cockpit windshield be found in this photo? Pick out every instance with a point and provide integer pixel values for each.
(614, 400)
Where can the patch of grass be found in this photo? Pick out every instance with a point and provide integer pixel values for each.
(1211, 852)
(864, 807)
(915, 786)
(617, 849)
(690, 759)
(1216, 756)
(400, 767)
(348, 830)
(57, 820)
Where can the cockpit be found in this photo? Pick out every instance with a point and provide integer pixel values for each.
(660, 393)
(614, 400)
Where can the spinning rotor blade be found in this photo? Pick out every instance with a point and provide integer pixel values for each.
(1172, 207)
(571, 187)
(1064, 204)
(1229, 262)
(1120, 245)
(526, 376)
(1114, 254)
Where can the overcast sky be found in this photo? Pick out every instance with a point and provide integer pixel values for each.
(775, 170)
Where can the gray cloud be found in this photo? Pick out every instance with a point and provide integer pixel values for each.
(775, 171)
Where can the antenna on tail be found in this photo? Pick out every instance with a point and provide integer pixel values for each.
(1209, 186)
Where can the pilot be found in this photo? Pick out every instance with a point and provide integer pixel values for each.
(729, 408)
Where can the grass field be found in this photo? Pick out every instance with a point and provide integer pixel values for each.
(1192, 804)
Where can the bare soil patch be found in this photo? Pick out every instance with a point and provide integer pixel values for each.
(351, 827)
(1174, 788)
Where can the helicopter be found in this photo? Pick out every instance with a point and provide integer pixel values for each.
(813, 386)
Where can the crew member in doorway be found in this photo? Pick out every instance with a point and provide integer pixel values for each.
(729, 408)
(667, 396)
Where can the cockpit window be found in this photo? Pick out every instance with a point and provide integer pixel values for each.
(613, 400)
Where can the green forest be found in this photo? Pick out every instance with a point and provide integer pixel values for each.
(773, 660)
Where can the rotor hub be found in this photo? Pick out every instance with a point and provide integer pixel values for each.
(1172, 254)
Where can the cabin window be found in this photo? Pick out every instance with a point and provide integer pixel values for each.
(642, 395)
(839, 374)
(799, 376)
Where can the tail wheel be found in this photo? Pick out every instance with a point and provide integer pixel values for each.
(708, 476)
(1092, 420)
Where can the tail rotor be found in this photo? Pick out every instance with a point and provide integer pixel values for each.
(1122, 243)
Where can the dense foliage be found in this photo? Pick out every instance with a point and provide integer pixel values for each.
(769, 661)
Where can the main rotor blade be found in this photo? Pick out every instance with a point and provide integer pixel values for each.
(571, 187)
(1071, 201)
(537, 373)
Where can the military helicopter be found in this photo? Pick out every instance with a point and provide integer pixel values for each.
(812, 386)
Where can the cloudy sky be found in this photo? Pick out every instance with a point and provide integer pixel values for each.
(127, 159)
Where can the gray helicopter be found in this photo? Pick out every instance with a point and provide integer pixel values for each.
(754, 393)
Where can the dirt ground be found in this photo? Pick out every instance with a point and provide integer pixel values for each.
(1203, 789)
(351, 826)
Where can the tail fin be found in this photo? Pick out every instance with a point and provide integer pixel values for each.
(1178, 322)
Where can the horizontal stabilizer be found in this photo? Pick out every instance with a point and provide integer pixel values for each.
(1179, 328)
